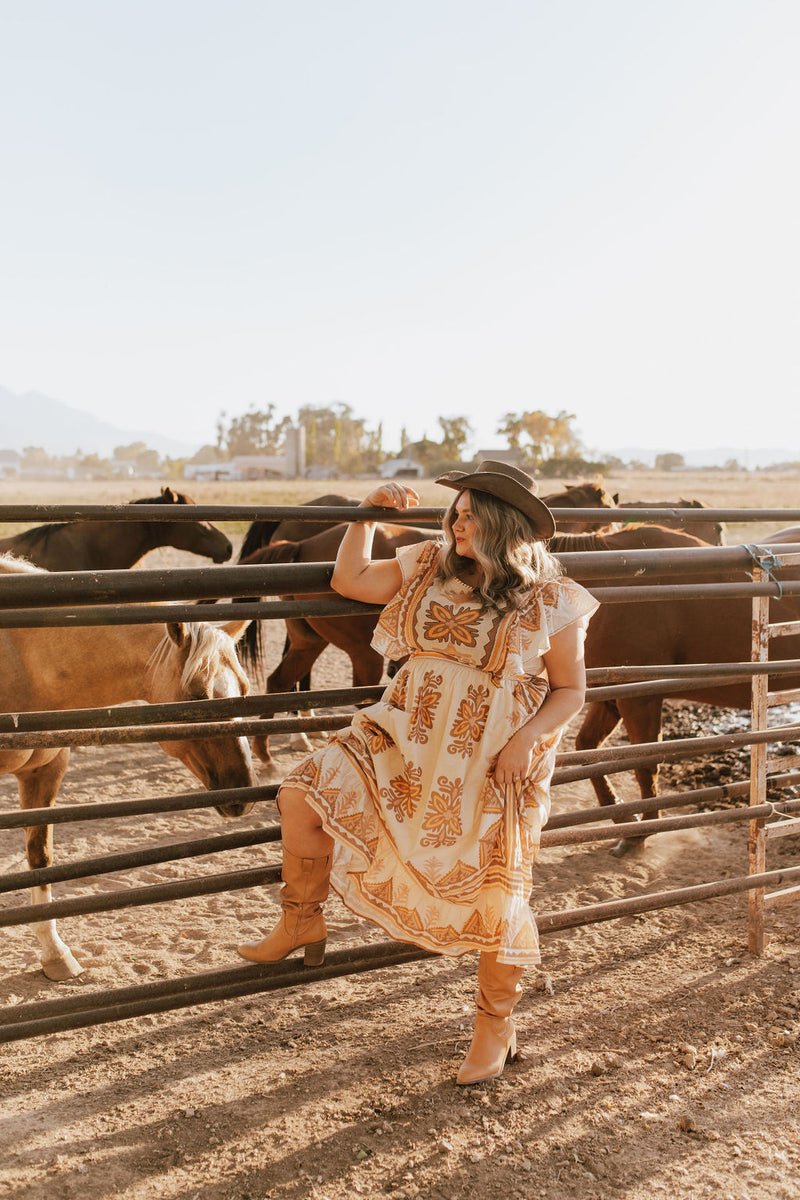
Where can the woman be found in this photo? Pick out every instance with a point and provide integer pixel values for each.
(425, 813)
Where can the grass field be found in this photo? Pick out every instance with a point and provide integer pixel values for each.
(717, 489)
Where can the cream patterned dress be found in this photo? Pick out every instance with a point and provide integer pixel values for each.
(427, 845)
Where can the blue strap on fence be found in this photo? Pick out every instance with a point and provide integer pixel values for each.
(767, 562)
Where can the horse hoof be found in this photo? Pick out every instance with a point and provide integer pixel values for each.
(627, 846)
(259, 747)
(59, 969)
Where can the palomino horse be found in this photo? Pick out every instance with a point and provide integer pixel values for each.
(116, 545)
(675, 630)
(56, 669)
(712, 532)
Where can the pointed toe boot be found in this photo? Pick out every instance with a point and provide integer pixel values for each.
(494, 1038)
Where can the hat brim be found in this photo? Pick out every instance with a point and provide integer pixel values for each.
(508, 490)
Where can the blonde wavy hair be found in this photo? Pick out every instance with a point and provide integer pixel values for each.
(506, 546)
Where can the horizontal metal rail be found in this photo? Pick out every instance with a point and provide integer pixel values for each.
(62, 814)
(157, 893)
(340, 514)
(126, 716)
(58, 588)
(88, 1009)
(108, 864)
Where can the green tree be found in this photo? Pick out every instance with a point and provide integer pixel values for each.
(34, 458)
(257, 431)
(455, 435)
(669, 462)
(129, 453)
(336, 438)
(539, 437)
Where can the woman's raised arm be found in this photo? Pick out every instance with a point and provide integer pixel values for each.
(355, 575)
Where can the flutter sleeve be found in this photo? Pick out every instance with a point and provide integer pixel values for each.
(388, 637)
(557, 605)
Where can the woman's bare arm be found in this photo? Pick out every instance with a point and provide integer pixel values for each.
(355, 575)
(567, 677)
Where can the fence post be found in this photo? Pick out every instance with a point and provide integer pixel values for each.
(756, 844)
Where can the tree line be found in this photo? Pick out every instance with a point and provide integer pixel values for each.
(338, 439)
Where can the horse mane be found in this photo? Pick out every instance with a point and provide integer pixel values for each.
(40, 535)
(563, 543)
(206, 643)
(10, 564)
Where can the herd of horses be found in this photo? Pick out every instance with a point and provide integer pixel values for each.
(117, 664)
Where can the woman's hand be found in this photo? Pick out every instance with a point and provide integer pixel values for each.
(391, 495)
(515, 760)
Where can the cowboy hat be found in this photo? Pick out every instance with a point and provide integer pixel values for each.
(506, 483)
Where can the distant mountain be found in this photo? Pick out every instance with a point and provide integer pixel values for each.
(751, 457)
(36, 420)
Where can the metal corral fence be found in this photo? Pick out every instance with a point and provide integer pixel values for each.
(128, 597)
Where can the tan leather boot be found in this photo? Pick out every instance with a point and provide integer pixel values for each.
(494, 1039)
(305, 889)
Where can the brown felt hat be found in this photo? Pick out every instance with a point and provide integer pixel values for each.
(507, 483)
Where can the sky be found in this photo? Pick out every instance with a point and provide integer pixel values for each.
(418, 209)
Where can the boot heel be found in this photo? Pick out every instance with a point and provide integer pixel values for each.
(314, 955)
(511, 1056)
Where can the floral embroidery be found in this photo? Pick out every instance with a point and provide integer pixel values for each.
(443, 818)
(399, 693)
(426, 701)
(467, 728)
(377, 738)
(445, 624)
(404, 792)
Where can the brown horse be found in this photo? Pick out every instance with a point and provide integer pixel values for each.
(712, 532)
(676, 630)
(116, 545)
(580, 495)
(56, 669)
(307, 637)
(261, 533)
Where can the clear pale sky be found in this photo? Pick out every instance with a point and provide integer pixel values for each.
(417, 208)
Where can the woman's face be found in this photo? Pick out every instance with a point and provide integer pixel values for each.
(464, 526)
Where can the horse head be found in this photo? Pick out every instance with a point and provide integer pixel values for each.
(198, 537)
(198, 661)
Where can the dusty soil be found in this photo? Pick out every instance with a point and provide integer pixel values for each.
(660, 1057)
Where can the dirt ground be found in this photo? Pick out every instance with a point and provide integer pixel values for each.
(660, 1058)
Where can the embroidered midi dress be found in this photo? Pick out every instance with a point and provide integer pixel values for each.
(427, 844)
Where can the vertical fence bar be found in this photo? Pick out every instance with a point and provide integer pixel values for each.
(756, 845)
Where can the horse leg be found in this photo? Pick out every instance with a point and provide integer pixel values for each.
(602, 718)
(293, 666)
(641, 717)
(38, 786)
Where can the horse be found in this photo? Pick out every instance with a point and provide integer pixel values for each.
(711, 532)
(56, 669)
(580, 495)
(116, 545)
(676, 630)
(307, 637)
(261, 533)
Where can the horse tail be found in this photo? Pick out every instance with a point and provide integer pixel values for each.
(251, 646)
